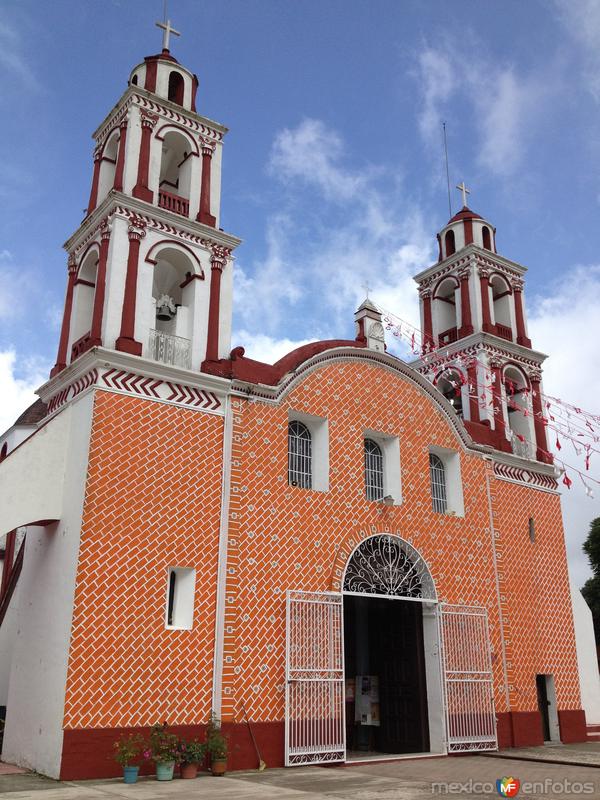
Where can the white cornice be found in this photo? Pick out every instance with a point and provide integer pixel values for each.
(486, 341)
(114, 200)
(470, 250)
(103, 357)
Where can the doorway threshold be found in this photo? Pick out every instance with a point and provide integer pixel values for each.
(357, 757)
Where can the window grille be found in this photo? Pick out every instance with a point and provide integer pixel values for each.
(299, 455)
(373, 470)
(437, 473)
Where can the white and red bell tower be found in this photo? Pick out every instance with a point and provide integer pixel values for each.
(149, 269)
(476, 348)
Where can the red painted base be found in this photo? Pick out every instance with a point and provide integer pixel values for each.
(88, 753)
(143, 193)
(128, 346)
(206, 219)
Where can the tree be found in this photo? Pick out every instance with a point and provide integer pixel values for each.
(591, 588)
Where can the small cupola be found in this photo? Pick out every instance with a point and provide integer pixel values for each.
(369, 327)
(466, 227)
(164, 76)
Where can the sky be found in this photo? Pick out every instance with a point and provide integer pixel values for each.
(333, 171)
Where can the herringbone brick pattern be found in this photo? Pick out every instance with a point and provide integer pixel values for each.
(535, 595)
(291, 538)
(152, 502)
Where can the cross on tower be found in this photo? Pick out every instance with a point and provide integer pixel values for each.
(367, 288)
(465, 192)
(167, 31)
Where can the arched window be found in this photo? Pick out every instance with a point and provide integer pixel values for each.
(520, 419)
(487, 241)
(176, 88)
(437, 473)
(501, 301)
(4, 451)
(299, 455)
(445, 323)
(450, 384)
(175, 173)
(134, 80)
(450, 243)
(373, 470)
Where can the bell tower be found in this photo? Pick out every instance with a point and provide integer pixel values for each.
(476, 348)
(149, 268)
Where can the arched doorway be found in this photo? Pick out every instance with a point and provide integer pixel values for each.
(432, 661)
(392, 677)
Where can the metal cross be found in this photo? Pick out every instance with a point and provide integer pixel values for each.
(465, 192)
(167, 31)
(367, 288)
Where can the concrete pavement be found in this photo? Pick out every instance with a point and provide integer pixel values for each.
(471, 776)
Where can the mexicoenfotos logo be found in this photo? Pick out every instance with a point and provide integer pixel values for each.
(508, 787)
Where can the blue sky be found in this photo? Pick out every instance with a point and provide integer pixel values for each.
(333, 169)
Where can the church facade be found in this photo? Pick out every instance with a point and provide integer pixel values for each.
(364, 558)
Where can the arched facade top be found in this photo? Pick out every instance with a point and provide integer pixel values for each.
(498, 276)
(164, 244)
(110, 139)
(170, 127)
(442, 281)
(83, 258)
(385, 564)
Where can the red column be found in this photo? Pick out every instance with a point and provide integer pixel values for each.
(484, 278)
(538, 419)
(427, 323)
(95, 180)
(466, 327)
(473, 391)
(217, 264)
(141, 189)
(126, 341)
(61, 358)
(204, 214)
(522, 337)
(118, 182)
(97, 314)
(468, 227)
(9, 557)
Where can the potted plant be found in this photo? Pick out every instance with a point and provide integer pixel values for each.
(192, 755)
(216, 745)
(127, 749)
(163, 751)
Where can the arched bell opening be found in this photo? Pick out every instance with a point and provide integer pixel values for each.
(175, 175)
(176, 87)
(108, 165)
(391, 650)
(501, 300)
(83, 302)
(451, 383)
(445, 320)
(520, 428)
(173, 300)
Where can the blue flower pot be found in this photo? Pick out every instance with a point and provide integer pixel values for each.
(164, 770)
(130, 774)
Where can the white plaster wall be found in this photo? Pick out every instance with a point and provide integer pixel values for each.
(132, 150)
(589, 679)
(35, 709)
(226, 310)
(116, 270)
(8, 632)
(15, 435)
(32, 478)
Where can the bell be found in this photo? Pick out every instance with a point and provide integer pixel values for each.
(164, 313)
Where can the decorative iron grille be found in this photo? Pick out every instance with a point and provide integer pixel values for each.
(299, 455)
(373, 470)
(387, 565)
(437, 472)
(169, 349)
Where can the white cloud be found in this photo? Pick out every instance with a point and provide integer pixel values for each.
(267, 348)
(12, 57)
(564, 324)
(311, 153)
(581, 18)
(504, 106)
(18, 379)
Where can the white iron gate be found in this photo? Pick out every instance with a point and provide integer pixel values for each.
(314, 689)
(468, 680)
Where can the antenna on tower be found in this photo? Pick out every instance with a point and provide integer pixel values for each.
(447, 170)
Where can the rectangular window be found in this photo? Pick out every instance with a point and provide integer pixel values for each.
(531, 529)
(382, 467)
(446, 482)
(308, 451)
(179, 611)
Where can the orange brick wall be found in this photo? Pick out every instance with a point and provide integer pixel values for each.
(283, 537)
(152, 502)
(536, 599)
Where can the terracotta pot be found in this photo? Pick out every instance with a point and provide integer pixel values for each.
(218, 766)
(189, 771)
